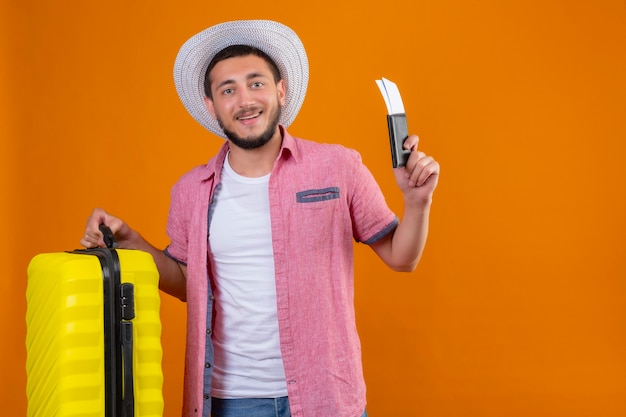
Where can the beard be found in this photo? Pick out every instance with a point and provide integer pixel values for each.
(252, 142)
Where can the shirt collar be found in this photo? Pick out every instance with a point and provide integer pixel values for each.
(289, 145)
(215, 165)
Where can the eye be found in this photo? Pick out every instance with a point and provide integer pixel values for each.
(257, 84)
(227, 91)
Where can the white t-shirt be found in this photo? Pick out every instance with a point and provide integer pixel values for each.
(248, 362)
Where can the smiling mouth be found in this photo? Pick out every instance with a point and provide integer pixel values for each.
(248, 116)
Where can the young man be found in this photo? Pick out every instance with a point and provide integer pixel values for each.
(261, 236)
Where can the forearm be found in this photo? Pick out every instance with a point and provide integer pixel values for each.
(409, 238)
(172, 278)
(402, 249)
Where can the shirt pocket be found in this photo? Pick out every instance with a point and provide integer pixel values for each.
(317, 198)
(320, 220)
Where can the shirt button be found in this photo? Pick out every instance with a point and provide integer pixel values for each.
(207, 365)
(208, 331)
(206, 397)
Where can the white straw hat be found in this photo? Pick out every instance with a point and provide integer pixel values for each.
(275, 39)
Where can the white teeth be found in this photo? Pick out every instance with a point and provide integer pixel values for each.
(247, 117)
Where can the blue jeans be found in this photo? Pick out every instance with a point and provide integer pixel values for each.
(252, 407)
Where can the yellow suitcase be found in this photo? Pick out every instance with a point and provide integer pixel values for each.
(93, 335)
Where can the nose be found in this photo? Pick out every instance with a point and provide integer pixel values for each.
(246, 98)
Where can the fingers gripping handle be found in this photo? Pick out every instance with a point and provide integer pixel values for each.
(109, 238)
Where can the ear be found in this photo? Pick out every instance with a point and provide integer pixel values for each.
(280, 86)
(209, 106)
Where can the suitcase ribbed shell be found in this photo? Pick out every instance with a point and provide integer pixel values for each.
(65, 335)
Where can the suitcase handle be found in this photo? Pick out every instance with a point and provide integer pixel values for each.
(109, 237)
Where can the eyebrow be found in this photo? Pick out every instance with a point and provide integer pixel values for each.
(250, 76)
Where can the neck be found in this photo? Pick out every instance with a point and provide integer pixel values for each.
(257, 162)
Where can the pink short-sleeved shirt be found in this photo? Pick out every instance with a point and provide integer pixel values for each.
(322, 198)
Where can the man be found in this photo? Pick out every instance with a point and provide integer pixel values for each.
(261, 236)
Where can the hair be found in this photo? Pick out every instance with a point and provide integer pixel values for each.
(234, 51)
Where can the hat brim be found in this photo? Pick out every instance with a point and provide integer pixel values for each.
(275, 39)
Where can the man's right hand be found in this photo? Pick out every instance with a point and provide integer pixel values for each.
(173, 276)
(93, 237)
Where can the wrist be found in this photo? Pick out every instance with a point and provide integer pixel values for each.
(421, 205)
(127, 238)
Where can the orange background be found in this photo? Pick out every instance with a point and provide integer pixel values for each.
(519, 305)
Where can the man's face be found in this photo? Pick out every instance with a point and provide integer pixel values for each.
(246, 100)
